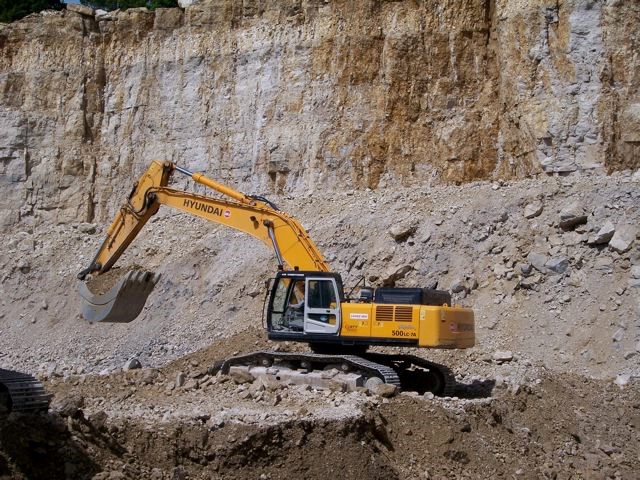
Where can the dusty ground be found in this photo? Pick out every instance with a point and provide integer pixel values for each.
(137, 425)
(560, 401)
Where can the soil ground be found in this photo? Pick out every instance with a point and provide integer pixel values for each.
(549, 391)
(135, 424)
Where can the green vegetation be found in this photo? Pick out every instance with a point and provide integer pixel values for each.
(11, 10)
(124, 4)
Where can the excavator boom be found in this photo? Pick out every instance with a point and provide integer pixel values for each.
(253, 215)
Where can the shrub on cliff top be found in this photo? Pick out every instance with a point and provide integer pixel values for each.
(11, 10)
(124, 4)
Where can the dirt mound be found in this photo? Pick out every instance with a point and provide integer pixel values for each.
(38, 447)
(180, 422)
(129, 449)
(564, 426)
(101, 284)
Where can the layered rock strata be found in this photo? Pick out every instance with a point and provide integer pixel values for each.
(311, 95)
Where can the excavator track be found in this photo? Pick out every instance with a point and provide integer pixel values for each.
(418, 374)
(408, 372)
(315, 361)
(20, 392)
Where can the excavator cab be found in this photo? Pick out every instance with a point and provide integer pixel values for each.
(304, 305)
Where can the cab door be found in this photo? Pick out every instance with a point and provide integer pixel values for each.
(322, 306)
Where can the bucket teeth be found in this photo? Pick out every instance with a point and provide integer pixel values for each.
(123, 302)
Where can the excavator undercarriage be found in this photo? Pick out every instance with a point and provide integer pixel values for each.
(407, 372)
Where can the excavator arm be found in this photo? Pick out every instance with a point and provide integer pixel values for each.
(255, 216)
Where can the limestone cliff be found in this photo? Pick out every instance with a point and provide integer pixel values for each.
(295, 95)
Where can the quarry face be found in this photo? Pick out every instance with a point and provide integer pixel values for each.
(306, 95)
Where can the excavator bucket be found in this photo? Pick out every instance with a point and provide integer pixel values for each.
(123, 302)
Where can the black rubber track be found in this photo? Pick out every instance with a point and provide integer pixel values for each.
(404, 371)
(20, 392)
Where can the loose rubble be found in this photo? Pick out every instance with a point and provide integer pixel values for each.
(553, 308)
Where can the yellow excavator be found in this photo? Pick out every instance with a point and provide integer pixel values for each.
(306, 301)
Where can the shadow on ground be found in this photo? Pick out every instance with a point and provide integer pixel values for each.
(39, 446)
(475, 389)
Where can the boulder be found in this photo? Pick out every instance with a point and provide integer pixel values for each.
(191, 384)
(571, 239)
(241, 376)
(99, 419)
(604, 234)
(622, 380)
(622, 239)
(389, 280)
(538, 261)
(458, 286)
(71, 405)
(81, 9)
(603, 264)
(149, 376)
(618, 335)
(533, 209)
(530, 283)
(402, 232)
(557, 265)
(501, 218)
(385, 390)
(132, 364)
(88, 228)
(24, 266)
(526, 269)
(502, 356)
(572, 215)
(270, 384)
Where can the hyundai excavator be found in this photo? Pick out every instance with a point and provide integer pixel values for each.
(306, 300)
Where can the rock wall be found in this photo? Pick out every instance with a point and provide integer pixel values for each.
(307, 95)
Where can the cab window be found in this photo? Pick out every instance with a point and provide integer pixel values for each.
(321, 294)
